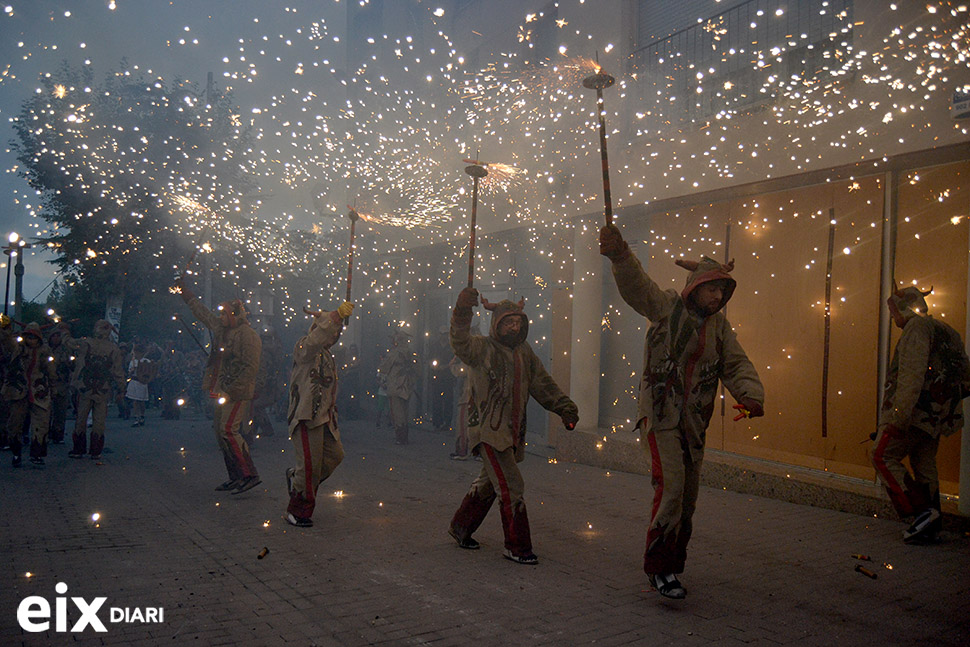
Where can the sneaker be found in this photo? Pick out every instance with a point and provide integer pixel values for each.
(458, 457)
(57, 442)
(668, 586)
(75, 455)
(95, 457)
(248, 483)
(529, 559)
(299, 522)
(923, 526)
(467, 542)
(289, 479)
(16, 461)
(139, 423)
(39, 462)
(231, 484)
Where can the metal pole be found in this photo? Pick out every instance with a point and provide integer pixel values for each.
(598, 82)
(354, 217)
(18, 271)
(477, 171)
(6, 298)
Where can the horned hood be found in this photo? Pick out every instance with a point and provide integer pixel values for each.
(705, 271)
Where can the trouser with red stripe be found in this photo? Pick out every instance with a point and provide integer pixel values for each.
(460, 423)
(226, 420)
(910, 494)
(676, 481)
(98, 408)
(318, 453)
(500, 477)
(20, 411)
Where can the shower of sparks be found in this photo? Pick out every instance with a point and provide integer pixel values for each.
(390, 126)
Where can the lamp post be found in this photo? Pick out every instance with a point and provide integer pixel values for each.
(9, 250)
(18, 272)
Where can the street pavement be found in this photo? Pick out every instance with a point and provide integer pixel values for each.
(378, 567)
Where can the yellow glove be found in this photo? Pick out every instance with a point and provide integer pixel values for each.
(345, 309)
(4, 321)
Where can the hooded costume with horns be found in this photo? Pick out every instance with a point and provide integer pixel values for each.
(230, 379)
(503, 372)
(312, 415)
(685, 355)
(927, 380)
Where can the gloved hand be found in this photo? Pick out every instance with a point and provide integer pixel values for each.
(184, 291)
(5, 321)
(467, 299)
(612, 245)
(345, 310)
(749, 409)
(569, 420)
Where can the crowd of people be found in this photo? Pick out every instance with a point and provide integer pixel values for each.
(479, 386)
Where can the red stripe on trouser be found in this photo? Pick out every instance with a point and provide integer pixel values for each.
(896, 493)
(656, 470)
(236, 449)
(505, 495)
(310, 492)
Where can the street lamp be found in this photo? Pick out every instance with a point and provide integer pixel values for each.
(9, 250)
(18, 272)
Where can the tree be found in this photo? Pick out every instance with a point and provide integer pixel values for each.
(130, 172)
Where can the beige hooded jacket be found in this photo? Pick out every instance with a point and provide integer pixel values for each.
(685, 355)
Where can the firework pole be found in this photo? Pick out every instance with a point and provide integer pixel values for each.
(598, 82)
(477, 170)
(354, 217)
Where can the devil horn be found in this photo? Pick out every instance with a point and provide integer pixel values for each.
(690, 266)
(729, 266)
(522, 302)
(312, 313)
(488, 305)
(928, 292)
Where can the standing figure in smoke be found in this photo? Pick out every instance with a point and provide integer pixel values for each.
(689, 347)
(27, 388)
(928, 378)
(63, 348)
(230, 380)
(399, 371)
(312, 417)
(97, 369)
(503, 372)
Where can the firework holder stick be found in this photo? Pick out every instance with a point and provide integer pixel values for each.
(354, 217)
(191, 334)
(598, 82)
(477, 171)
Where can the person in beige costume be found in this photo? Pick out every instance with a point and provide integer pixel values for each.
(27, 388)
(97, 370)
(503, 372)
(399, 371)
(927, 380)
(230, 380)
(689, 347)
(312, 414)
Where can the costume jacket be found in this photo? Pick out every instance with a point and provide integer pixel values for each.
(925, 385)
(313, 381)
(234, 360)
(31, 375)
(400, 372)
(98, 368)
(499, 381)
(684, 355)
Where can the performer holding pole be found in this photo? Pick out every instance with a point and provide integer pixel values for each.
(598, 82)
